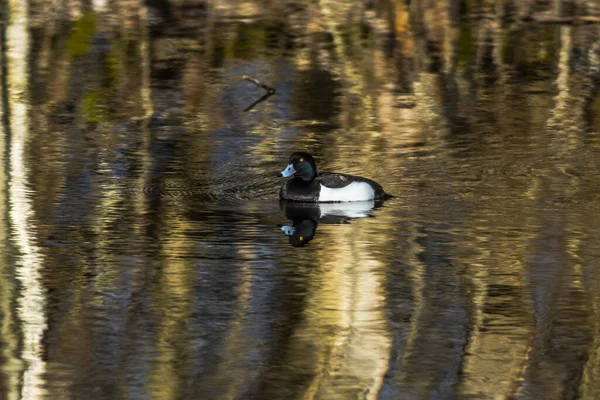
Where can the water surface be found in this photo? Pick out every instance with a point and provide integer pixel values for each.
(142, 249)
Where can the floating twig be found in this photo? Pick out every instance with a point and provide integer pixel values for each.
(258, 83)
(269, 91)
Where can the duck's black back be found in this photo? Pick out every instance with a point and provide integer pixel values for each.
(297, 189)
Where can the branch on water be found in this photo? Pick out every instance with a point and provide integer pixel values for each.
(258, 83)
(263, 98)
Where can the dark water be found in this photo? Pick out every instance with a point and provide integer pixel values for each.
(142, 249)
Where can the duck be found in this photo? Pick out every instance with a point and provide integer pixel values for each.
(308, 185)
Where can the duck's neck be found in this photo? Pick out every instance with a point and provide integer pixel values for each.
(306, 178)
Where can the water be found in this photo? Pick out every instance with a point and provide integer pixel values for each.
(145, 254)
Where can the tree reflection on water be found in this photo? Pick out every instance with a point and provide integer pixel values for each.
(138, 199)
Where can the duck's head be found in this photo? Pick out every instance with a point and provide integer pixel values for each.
(302, 166)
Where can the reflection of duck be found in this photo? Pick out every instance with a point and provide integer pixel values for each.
(310, 186)
(306, 217)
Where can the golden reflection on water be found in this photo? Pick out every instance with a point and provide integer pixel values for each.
(174, 293)
(138, 201)
(31, 300)
(346, 312)
(6, 289)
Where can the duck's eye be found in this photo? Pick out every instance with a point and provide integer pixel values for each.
(302, 160)
(301, 238)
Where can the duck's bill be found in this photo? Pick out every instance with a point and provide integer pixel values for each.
(288, 230)
(288, 171)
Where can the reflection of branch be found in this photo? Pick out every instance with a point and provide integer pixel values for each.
(263, 98)
(269, 89)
